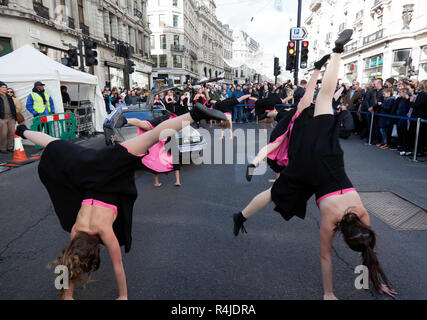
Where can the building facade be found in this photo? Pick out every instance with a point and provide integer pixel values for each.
(248, 55)
(188, 42)
(54, 26)
(390, 37)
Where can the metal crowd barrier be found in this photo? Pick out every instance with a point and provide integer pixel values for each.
(373, 114)
(58, 125)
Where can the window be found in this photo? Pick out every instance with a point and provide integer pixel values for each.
(175, 20)
(175, 3)
(5, 46)
(163, 41)
(401, 55)
(80, 8)
(176, 41)
(373, 68)
(342, 27)
(163, 61)
(177, 61)
(154, 58)
(162, 20)
(152, 42)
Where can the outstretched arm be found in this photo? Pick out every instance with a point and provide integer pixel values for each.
(112, 244)
(326, 237)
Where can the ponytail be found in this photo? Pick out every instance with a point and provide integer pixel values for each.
(376, 273)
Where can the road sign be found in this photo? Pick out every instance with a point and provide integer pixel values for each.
(298, 33)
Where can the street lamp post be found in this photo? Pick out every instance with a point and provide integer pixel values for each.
(297, 44)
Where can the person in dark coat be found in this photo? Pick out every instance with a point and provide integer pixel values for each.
(8, 120)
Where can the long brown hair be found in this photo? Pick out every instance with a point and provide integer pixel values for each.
(80, 256)
(361, 238)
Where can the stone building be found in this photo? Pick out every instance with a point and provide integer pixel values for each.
(54, 26)
(188, 41)
(390, 38)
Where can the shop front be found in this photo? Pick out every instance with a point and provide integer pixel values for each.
(114, 75)
(140, 80)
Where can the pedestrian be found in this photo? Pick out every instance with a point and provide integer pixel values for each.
(18, 105)
(316, 166)
(352, 101)
(300, 91)
(93, 193)
(384, 123)
(65, 96)
(420, 111)
(8, 120)
(238, 110)
(39, 102)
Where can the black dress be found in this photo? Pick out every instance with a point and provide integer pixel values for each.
(316, 166)
(72, 173)
(226, 106)
(269, 103)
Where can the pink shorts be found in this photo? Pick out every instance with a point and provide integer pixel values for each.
(336, 193)
(100, 204)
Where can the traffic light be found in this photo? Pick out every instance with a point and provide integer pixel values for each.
(130, 66)
(304, 55)
(90, 53)
(276, 67)
(73, 60)
(291, 56)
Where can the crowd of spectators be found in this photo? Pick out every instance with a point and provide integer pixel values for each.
(404, 98)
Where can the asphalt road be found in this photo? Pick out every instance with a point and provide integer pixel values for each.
(183, 246)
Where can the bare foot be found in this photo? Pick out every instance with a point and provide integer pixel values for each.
(231, 138)
(221, 138)
(157, 185)
(272, 180)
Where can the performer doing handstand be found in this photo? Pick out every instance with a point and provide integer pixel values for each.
(316, 166)
(277, 150)
(93, 193)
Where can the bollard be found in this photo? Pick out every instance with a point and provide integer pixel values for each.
(416, 138)
(372, 126)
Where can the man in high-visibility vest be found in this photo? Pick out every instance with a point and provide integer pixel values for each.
(39, 102)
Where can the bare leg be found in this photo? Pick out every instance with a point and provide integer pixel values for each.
(257, 203)
(156, 180)
(307, 99)
(138, 123)
(326, 93)
(39, 138)
(142, 143)
(177, 178)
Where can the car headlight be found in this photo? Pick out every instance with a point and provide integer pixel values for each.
(195, 139)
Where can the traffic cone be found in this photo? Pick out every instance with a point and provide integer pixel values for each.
(19, 155)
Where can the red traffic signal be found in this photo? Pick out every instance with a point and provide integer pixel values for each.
(305, 44)
(291, 44)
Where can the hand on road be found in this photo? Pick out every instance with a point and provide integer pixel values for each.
(329, 296)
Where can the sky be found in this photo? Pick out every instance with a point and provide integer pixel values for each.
(270, 26)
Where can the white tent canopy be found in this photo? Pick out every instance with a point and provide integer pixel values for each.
(26, 65)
